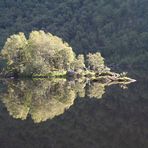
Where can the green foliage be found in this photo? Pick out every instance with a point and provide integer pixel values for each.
(40, 54)
(95, 61)
(117, 28)
(13, 51)
(79, 63)
(45, 55)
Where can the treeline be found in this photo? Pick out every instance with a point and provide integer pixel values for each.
(117, 28)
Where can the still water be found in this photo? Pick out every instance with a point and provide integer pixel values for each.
(73, 114)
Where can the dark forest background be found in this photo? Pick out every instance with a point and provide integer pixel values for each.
(116, 28)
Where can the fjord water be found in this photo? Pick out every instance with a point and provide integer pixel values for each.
(63, 114)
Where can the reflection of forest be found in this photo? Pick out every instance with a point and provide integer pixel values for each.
(119, 120)
(43, 99)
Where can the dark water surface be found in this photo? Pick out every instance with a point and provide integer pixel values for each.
(61, 114)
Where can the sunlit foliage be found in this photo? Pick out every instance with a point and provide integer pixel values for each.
(78, 63)
(14, 52)
(95, 61)
(41, 53)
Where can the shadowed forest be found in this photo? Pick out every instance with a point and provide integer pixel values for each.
(116, 28)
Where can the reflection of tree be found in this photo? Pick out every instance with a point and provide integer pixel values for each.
(119, 120)
(51, 102)
(96, 90)
(17, 99)
(80, 88)
(44, 99)
(41, 99)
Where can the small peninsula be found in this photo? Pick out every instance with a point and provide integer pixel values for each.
(44, 55)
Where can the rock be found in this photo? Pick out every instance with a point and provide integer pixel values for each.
(71, 73)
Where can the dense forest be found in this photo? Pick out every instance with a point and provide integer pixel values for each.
(116, 28)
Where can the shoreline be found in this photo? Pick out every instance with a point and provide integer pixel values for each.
(106, 77)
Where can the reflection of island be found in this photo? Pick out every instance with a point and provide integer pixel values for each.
(43, 99)
(96, 90)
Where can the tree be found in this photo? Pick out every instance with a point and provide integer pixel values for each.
(79, 63)
(95, 61)
(40, 54)
(14, 52)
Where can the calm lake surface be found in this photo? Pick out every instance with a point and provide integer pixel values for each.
(73, 114)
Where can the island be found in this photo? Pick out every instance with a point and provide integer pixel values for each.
(43, 55)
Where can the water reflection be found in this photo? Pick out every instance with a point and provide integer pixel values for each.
(45, 99)
(119, 119)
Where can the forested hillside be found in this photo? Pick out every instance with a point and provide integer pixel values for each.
(116, 28)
